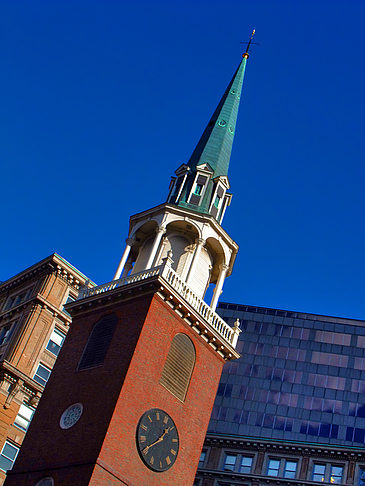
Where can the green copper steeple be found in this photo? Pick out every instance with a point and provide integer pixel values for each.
(202, 183)
(215, 145)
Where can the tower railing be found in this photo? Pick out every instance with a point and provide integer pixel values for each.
(179, 285)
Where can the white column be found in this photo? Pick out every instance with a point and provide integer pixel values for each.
(127, 249)
(159, 234)
(218, 286)
(199, 243)
(127, 267)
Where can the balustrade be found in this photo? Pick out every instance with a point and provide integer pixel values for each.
(178, 284)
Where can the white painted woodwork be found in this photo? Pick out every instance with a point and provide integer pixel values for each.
(143, 256)
(200, 277)
(223, 330)
(129, 243)
(179, 247)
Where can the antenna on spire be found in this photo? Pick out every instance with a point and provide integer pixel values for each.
(245, 54)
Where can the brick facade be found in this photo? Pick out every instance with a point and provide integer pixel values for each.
(115, 395)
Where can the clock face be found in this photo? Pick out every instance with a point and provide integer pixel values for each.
(157, 440)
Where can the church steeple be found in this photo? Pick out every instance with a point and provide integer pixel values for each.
(202, 183)
(186, 230)
(215, 145)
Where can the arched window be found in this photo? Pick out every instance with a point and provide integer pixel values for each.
(98, 342)
(179, 366)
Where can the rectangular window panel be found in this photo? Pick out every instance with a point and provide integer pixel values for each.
(290, 469)
(330, 359)
(69, 299)
(229, 462)
(55, 342)
(279, 423)
(361, 344)
(359, 363)
(333, 338)
(273, 467)
(24, 417)
(6, 332)
(336, 474)
(202, 459)
(246, 464)
(361, 477)
(319, 471)
(359, 435)
(42, 374)
(289, 425)
(8, 456)
(334, 431)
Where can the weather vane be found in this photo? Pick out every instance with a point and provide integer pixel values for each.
(245, 54)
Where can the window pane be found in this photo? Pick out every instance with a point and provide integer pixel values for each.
(8, 456)
(55, 342)
(9, 451)
(273, 467)
(230, 462)
(318, 472)
(290, 469)
(362, 477)
(202, 459)
(246, 463)
(336, 474)
(42, 374)
(5, 464)
(24, 417)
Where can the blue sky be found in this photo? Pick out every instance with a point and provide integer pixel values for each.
(103, 100)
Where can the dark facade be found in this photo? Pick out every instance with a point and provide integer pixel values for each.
(293, 406)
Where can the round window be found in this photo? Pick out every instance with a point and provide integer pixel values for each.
(71, 415)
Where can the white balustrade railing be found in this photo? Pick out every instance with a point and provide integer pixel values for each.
(177, 283)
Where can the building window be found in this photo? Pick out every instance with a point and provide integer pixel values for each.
(6, 332)
(17, 299)
(361, 481)
(55, 342)
(8, 456)
(273, 467)
(98, 342)
(319, 471)
(42, 374)
(24, 417)
(282, 468)
(327, 473)
(69, 299)
(203, 456)
(246, 464)
(198, 189)
(229, 462)
(336, 474)
(290, 469)
(217, 201)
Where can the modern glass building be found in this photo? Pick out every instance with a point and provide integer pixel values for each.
(299, 388)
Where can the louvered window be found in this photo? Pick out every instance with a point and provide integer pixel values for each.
(179, 366)
(98, 343)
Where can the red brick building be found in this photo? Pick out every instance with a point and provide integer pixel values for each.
(33, 327)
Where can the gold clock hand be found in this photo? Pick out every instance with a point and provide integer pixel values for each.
(160, 439)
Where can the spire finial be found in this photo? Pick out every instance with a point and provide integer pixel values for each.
(245, 55)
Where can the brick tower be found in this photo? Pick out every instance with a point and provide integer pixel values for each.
(130, 397)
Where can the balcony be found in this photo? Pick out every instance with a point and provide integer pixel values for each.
(174, 281)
